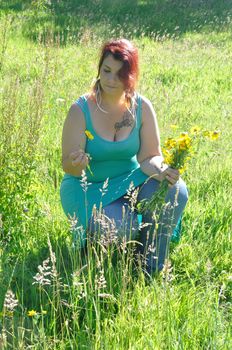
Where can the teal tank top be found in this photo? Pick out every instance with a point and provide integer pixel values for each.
(115, 160)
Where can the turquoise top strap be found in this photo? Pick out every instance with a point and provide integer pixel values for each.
(139, 111)
(82, 103)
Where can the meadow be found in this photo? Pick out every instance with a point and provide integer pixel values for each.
(53, 297)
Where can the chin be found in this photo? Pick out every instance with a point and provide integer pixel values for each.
(108, 88)
(112, 91)
(108, 91)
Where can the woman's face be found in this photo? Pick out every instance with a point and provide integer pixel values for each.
(109, 79)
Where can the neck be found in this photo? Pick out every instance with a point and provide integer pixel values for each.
(111, 101)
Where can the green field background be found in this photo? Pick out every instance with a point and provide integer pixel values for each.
(48, 57)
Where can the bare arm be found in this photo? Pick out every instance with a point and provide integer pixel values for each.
(150, 155)
(74, 159)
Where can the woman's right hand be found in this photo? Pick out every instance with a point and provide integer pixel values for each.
(79, 158)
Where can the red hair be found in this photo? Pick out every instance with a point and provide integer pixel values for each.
(124, 51)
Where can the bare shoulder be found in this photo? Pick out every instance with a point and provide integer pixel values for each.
(145, 100)
(73, 131)
(75, 114)
(148, 111)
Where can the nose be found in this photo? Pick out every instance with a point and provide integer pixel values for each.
(112, 78)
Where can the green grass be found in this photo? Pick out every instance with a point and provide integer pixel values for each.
(186, 73)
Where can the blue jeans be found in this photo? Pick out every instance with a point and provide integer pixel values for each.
(153, 240)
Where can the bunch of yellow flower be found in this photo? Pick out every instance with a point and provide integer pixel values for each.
(177, 152)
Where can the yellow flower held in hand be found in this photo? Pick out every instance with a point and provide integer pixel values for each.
(170, 143)
(31, 313)
(168, 157)
(183, 169)
(177, 153)
(89, 135)
(184, 141)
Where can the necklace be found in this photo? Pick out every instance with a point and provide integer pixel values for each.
(127, 117)
(98, 92)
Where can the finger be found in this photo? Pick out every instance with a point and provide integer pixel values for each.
(172, 171)
(171, 179)
(75, 154)
(170, 175)
(175, 175)
(86, 161)
(174, 178)
(77, 160)
(83, 160)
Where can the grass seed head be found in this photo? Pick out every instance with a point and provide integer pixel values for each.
(10, 301)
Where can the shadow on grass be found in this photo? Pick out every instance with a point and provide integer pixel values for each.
(75, 275)
(73, 19)
(20, 273)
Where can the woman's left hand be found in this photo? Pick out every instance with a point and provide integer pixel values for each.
(172, 175)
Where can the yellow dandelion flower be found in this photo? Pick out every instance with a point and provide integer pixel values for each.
(170, 143)
(214, 135)
(31, 313)
(89, 135)
(184, 134)
(182, 169)
(168, 158)
(195, 130)
(184, 142)
(182, 146)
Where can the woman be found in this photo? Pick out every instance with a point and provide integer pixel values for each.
(112, 133)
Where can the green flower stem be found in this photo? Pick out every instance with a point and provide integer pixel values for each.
(88, 167)
(156, 201)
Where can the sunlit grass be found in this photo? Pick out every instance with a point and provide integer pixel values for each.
(98, 302)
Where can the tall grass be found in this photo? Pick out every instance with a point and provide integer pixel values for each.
(96, 298)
